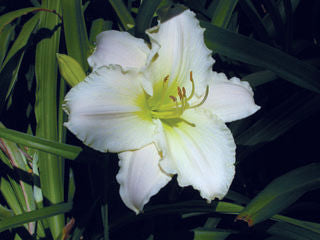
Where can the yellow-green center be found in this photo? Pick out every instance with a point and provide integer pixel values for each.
(164, 106)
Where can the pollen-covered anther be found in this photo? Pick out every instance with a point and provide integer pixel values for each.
(173, 98)
(180, 93)
(184, 92)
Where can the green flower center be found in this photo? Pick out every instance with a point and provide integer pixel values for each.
(165, 106)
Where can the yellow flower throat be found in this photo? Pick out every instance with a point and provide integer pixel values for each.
(166, 106)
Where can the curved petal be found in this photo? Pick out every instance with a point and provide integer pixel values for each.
(106, 111)
(230, 99)
(202, 155)
(114, 47)
(182, 50)
(140, 176)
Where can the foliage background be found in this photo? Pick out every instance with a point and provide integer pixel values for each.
(281, 137)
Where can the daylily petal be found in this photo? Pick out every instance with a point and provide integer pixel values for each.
(140, 176)
(202, 155)
(182, 50)
(230, 99)
(114, 47)
(105, 111)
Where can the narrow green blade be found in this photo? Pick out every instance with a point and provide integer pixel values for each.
(5, 38)
(272, 124)
(123, 13)
(36, 215)
(255, 19)
(286, 230)
(223, 12)
(18, 48)
(51, 167)
(145, 14)
(281, 193)
(9, 17)
(75, 31)
(250, 51)
(200, 234)
(49, 146)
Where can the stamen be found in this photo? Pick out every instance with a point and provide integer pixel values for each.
(176, 108)
(180, 93)
(173, 98)
(192, 89)
(164, 89)
(184, 92)
(203, 100)
(187, 122)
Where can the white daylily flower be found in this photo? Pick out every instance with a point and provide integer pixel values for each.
(162, 108)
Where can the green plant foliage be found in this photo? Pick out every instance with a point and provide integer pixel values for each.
(247, 50)
(292, 232)
(222, 12)
(46, 71)
(145, 15)
(76, 37)
(124, 15)
(70, 69)
(60, 149)
(35, 215)
(281, 193)
(53, 187)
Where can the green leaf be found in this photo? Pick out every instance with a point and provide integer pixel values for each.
(8, 192)
(211, 223)
(314, 227)
(9, 17)
(60, 149)
(275, 16)
(11, 189)
(250, 51)
(223, 12)
(255, 19)
(22, 40)
(18, 48)
(75, 31)
(70, 69)
(268, 21)
(281, 193)
(98, 25)
(286, 230)
(105, 221)
(272, 124)
(123, 13)
(36, 215)
(19, 162)
(8, 75)
(191, 207)
(237, 197)
(145, 14)
(5, 212)
(259, 78)
(200, 234)
(5, 38)
(51, 167)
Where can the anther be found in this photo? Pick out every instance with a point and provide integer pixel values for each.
(166, 78)
(173, 98)
(184, 92)
(180, 93)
